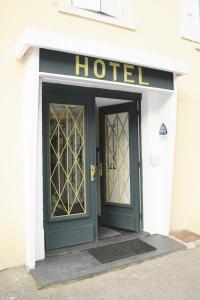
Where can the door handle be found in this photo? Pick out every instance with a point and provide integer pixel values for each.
(92, 173)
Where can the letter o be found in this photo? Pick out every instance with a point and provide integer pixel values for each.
(102, 73)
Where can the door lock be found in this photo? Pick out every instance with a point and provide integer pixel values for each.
(92, 173)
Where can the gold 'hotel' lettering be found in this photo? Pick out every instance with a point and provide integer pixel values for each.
(140, 77)
(114, 66)
(102, 73)
(99, 69)
(83, 66)
(128, 73)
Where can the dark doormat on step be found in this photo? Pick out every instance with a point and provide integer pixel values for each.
(111, 252)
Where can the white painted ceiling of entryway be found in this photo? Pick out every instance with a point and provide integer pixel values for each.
(108, 101)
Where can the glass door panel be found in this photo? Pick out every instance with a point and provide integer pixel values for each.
(117, 158)
(67, 160)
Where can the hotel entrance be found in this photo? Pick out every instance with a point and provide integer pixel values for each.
(75, 169)
(91, 164)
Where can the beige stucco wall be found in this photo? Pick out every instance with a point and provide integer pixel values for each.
(158, 32)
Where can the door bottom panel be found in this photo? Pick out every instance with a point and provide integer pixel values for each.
(69, 237)
(120, 220)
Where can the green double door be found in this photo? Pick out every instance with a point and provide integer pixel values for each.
(71, 169)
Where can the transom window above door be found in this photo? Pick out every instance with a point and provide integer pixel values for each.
(115, 12)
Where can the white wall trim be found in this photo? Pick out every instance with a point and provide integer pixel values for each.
(39, 38)
(31, 96)
(158, 159)
(39, 247)
(92, 82)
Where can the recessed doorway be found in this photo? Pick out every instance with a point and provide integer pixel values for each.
(90, 163)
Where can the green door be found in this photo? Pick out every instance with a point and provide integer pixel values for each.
(68, 159)
(119, 154)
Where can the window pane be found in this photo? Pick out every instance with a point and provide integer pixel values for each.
(67, 159)
(117, 158)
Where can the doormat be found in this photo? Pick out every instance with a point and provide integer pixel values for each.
(108, 253)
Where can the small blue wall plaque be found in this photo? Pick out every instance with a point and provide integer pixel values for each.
(163, 129)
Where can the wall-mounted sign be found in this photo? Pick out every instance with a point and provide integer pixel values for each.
(102, 69)
(163, 129)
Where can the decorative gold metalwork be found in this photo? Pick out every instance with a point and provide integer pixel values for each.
(67, 159)
(117, 158)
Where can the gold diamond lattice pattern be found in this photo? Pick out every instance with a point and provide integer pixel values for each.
(67, 159)
(117, 158)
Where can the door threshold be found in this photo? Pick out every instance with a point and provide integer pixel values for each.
(81, 264)
(123, 236)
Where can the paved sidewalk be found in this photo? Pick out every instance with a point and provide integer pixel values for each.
(174, 276)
